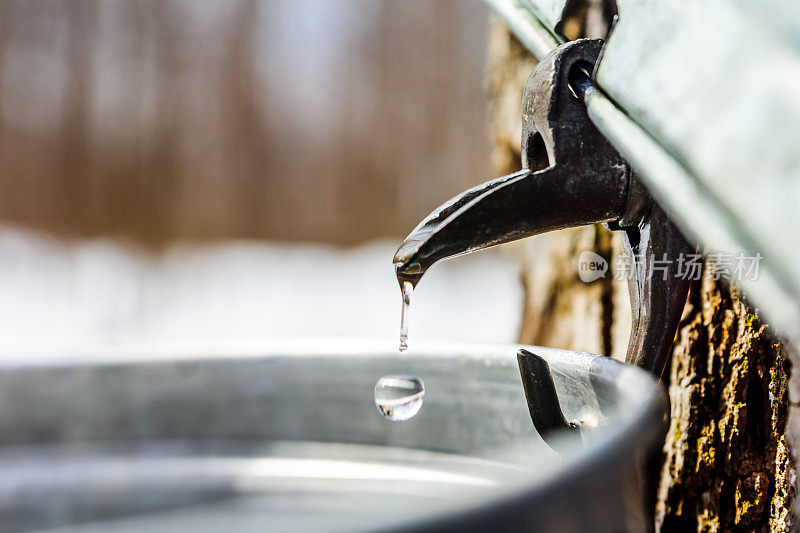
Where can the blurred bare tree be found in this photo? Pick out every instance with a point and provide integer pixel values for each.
(318, 120)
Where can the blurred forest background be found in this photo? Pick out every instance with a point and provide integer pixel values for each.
(332, 120)
(183, 171)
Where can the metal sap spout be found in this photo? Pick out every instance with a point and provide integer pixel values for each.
(505, 209)
(571, 177)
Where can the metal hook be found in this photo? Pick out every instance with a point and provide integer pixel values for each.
(542, 399)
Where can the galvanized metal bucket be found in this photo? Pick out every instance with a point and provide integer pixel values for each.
(286, 437)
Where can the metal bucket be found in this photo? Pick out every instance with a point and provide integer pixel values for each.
(287, 438)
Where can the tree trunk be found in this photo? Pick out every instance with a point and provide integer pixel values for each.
(727, 464)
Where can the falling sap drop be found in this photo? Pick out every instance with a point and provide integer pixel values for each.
(399, 398)
(408, 281)
(408, 289)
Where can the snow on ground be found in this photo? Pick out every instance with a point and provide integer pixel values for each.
(58, 295)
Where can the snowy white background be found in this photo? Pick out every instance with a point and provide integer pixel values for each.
(60, 295)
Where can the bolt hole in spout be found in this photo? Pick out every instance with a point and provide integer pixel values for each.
(580, 79)
(537, 153)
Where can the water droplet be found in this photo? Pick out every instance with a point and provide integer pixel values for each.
(408, 289)
(399, 398)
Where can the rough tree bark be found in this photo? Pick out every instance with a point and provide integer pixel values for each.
(727, 464)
